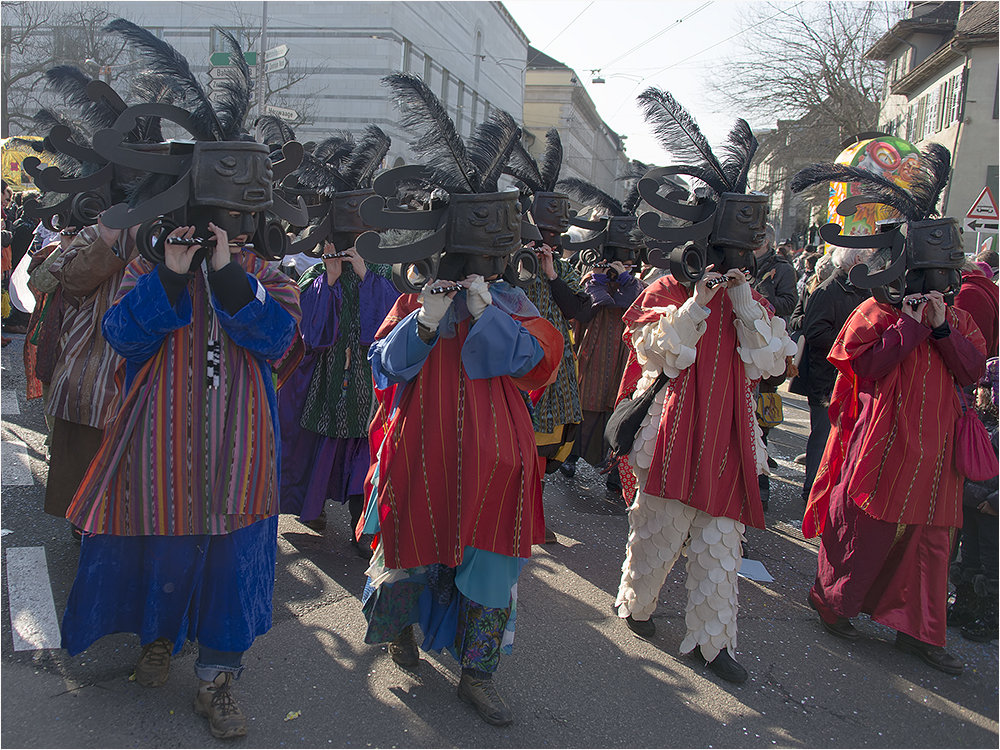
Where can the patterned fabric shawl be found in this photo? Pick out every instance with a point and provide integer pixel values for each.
(182, 458)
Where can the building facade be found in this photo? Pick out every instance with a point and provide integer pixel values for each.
(472, 54)
(941, 86)
(554, 97)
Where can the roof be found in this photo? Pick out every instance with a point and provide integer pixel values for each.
(981, 18)
(538, 59)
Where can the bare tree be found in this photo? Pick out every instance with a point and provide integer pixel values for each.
(809, 59)
(36, 38)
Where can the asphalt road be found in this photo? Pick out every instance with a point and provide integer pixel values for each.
(577, 677)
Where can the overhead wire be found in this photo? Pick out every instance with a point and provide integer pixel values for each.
(658, 34)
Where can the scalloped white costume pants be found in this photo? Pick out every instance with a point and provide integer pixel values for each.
(660, 529)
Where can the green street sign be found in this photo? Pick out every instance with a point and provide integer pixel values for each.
(221, 59)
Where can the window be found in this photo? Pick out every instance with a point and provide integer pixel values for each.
(930, 121)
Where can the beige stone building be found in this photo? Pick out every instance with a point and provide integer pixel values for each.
(941, 86)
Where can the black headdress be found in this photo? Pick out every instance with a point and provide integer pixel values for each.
(549, 209)
(724, 227)
(78, 183)
(464, 214)
(222, 169)
(920, 253)
(614, 236)
(334, 179)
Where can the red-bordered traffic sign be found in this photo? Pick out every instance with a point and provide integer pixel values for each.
(983, 217)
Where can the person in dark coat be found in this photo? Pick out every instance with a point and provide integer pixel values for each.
(825, 311)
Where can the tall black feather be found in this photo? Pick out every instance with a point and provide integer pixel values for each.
(680, 135)
(366, 158)
(72, 82)
(232, 102)
(551, 161)
(48, 119)
(273, 131)
(631, 175)
(164, 60)
(875, 185)
(737, 153)
(316, 174)
(334, 150)
(439, 142)
(524, 169)
(156, 89)
(590, 195)
(490, 147)
(931, 178)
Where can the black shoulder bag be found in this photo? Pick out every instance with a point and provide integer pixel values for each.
(624, 423)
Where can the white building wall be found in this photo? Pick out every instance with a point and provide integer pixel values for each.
(346, 48)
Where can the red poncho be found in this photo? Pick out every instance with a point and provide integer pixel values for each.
(903, 469)
(456, 460)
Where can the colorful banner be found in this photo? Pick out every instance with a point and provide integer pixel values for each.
(888, 156)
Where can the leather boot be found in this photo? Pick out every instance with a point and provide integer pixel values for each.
(404, 650)
(362, 544)
(153, 667)
(215, 702)
(724, 666)
(933, 656)
(984, 627)
(963, 610)
(480, 692)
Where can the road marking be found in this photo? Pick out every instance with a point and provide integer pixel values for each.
(8, 403)
(15, 469)
(33, 620)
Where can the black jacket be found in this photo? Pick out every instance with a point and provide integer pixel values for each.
(776, 280)
(826, 311)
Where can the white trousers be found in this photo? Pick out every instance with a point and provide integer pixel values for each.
(660, 529)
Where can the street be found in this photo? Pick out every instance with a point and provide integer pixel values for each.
(577, 678)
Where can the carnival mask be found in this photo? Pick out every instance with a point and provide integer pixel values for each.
(551, 213)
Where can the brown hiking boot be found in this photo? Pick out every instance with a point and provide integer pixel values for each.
(153, 667)
(483, 695)
(215, 702)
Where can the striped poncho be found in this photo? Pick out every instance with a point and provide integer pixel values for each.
(193, 449)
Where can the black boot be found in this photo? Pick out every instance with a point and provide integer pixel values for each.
(724, 666)
(984, 627)
(360, 543)
(568, 468)
(477, 689)
(934, 656)
(404, 650)
(963, 610)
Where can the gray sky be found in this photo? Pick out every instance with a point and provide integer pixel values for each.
(691, 36)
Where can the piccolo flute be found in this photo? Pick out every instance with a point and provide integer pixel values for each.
(916, 302)
(330, 256)
(202, 241)
(712, 283)
(69, 233)
(446, 289)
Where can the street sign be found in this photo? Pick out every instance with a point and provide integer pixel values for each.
(274, 65)
(220, 72)
(222, 58)
(285, 114)
(983, 217)
(275, 52)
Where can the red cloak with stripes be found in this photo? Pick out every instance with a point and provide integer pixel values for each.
(456, 459)
(704, 454)
(905, 471)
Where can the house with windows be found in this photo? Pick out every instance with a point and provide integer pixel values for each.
(941, 86)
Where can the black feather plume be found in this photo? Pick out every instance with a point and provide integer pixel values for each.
(273, 131)
(79, 133)
(680, 135)
(490, 147)
(438, 142)
(631, 175)
(931, 178)
(71, 83)
(333, 150)
(154, 89)
(366, 158)
(313, 173)
(234, 97)
(592, 196)
(164, 60)
(737, 154)
(523, 168)
(551, 161)
(886, 191)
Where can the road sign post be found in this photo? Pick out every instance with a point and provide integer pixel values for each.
(289, 115)
(275, 65)
(983, 217)
(276, 52)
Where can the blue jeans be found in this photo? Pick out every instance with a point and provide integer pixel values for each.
(211, 662)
